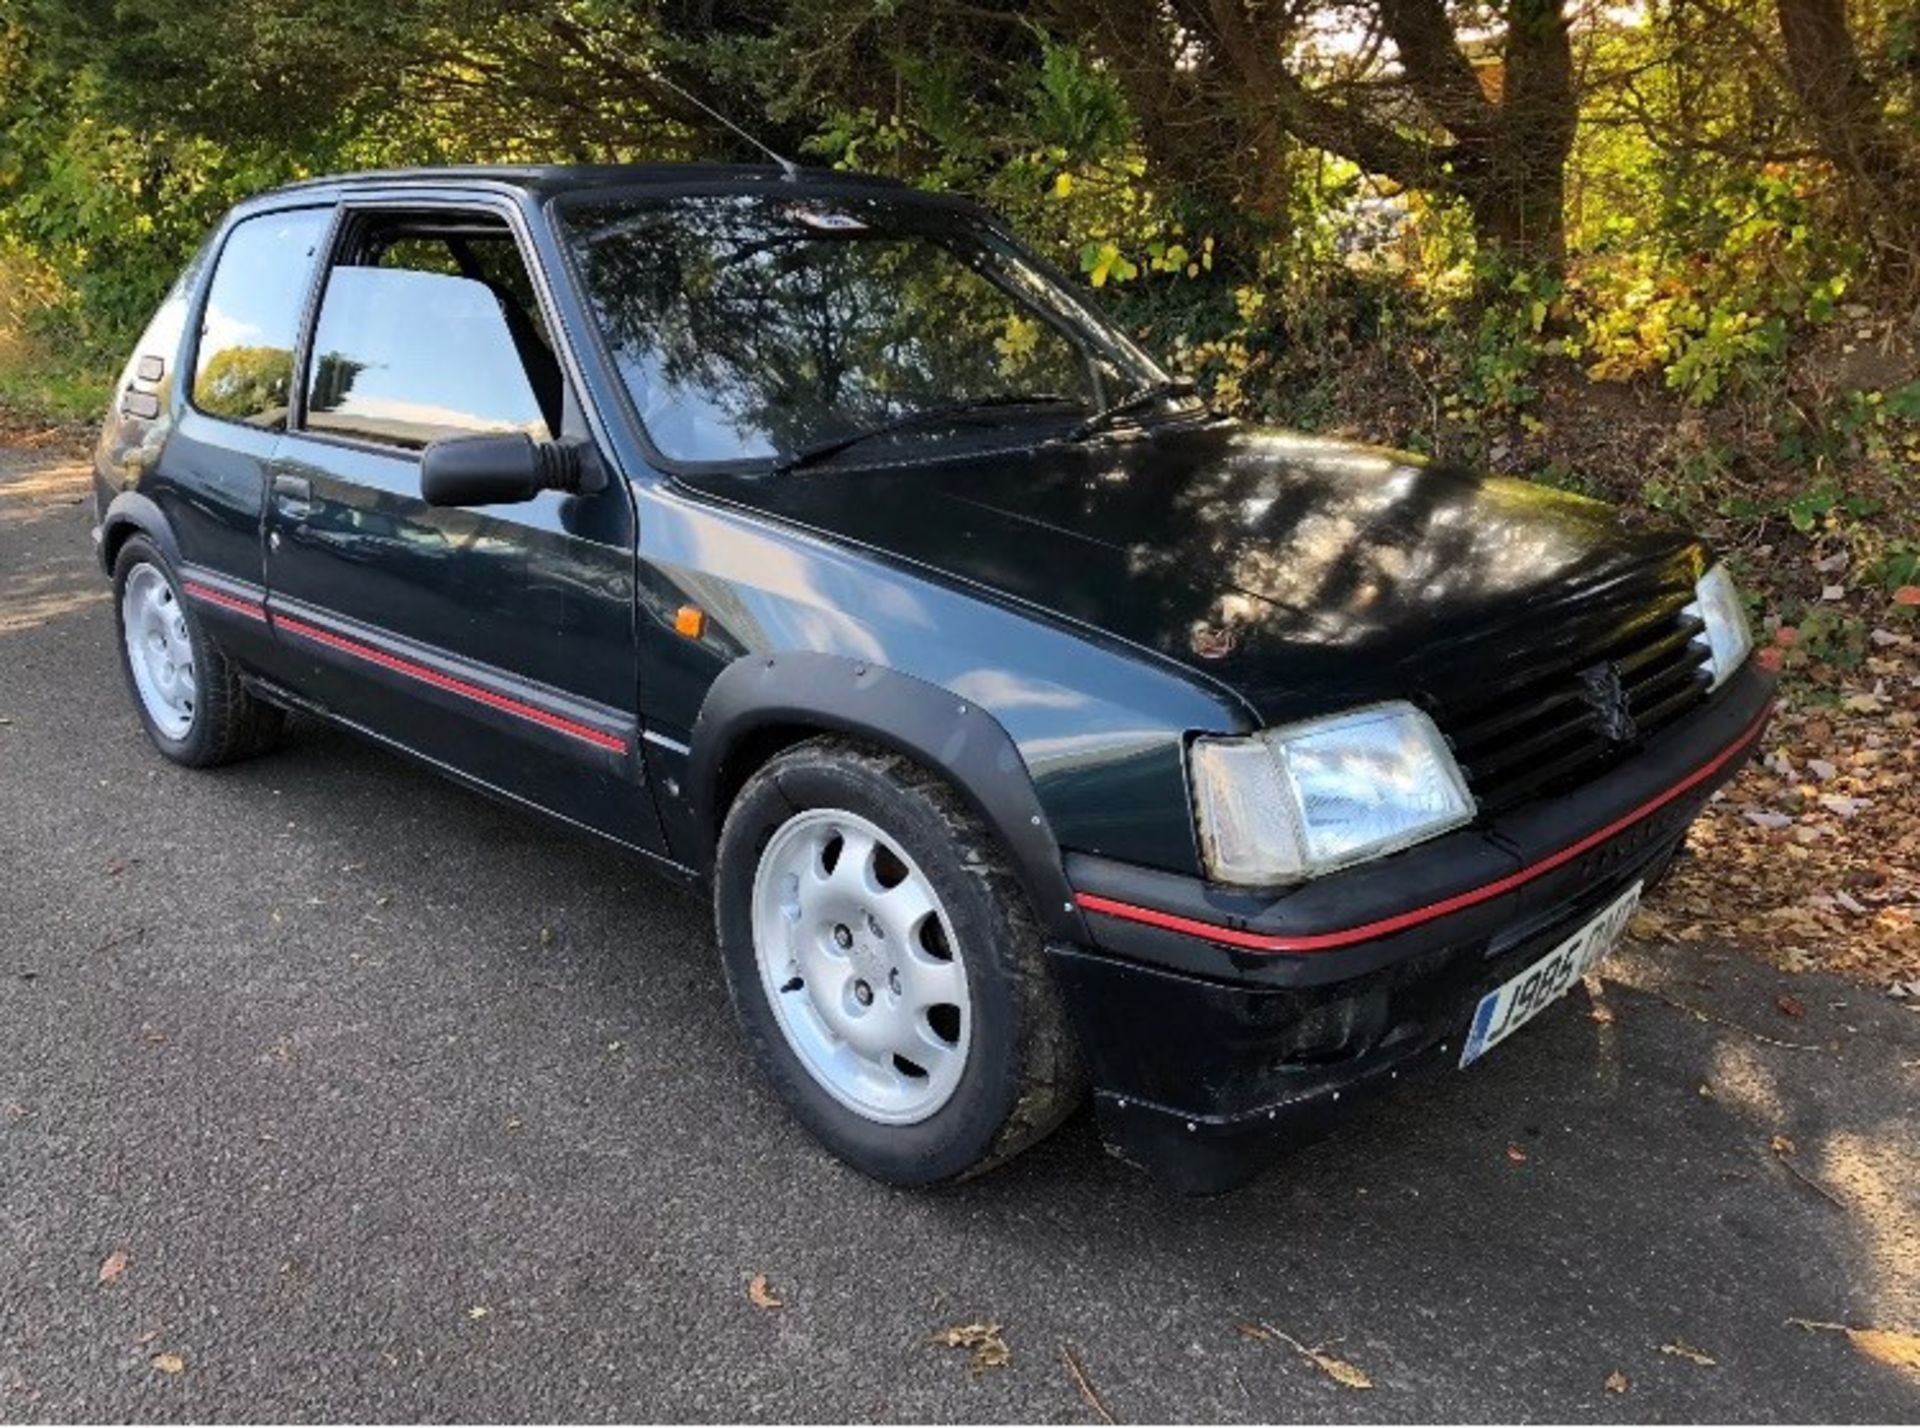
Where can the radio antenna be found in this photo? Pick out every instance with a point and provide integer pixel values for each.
(788, 168)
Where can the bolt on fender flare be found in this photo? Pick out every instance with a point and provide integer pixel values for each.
(950, 735)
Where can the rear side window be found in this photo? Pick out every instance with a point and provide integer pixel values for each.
(244, 370)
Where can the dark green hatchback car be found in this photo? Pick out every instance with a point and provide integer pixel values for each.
(1032, 727)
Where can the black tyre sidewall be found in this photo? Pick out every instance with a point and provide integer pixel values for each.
(964, 1130)
(200, 744)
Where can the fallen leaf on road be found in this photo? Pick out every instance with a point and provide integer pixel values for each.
(1789, 1006)
(1893, 1347)
(990, 1350)
(1083, 1383)
(478, 1311)
(1783, 1145)
(1616, 1382)
(762, 1297)
(1680, 1348)
(1339, 1370)
(1601, 1013)
(1705, 1091)
(1648, 924)
(113, 1266)
(1516, 1155)
(169, 1363)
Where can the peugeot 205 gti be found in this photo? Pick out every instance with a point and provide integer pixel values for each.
(1031, 726)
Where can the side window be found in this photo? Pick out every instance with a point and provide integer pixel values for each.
(419, 342)
(244, 368)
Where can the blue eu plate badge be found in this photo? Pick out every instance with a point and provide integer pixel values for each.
(1514, 1003)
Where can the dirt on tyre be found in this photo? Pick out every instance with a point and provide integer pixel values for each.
(886, 967)
(186, 691)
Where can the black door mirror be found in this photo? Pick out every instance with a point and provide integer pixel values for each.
(495, 470)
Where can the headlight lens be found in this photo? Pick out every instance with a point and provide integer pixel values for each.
(1729, 637)
(1295, 802)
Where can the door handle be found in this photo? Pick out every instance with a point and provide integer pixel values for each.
(293, 488)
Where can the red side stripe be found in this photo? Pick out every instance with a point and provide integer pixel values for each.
(447, 682)
(250, 608)
(1326, 941)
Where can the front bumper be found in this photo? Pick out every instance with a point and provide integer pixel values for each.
(1223, 1026)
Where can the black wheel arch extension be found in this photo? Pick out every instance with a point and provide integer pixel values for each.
(130, 513)
(810, 694)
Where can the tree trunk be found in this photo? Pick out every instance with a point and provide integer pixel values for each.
(1849, 121)
(1505, 156)
(1518, 194)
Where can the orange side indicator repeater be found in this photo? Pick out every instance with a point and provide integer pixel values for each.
(690, 620)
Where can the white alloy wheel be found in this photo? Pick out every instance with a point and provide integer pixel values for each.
(159, 650)
(860, 964)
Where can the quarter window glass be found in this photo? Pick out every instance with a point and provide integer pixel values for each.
(244, 367)
(404, 357)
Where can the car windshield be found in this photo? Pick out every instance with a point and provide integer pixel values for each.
(764, 327)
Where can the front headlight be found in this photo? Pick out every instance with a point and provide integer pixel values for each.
(1295, 802)
(1729, 637)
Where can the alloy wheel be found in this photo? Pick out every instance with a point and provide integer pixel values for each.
(859, 961)
(159, 650)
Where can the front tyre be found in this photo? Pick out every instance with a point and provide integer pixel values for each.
(187, 692)
(885, 966)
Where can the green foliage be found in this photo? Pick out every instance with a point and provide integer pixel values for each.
(1713, 258)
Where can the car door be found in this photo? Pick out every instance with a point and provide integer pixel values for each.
(495, 641)
(228, 409)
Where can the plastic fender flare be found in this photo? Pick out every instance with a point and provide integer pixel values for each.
(130, 511)
(952, 736)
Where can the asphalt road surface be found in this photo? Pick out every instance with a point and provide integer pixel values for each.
(399, 1105)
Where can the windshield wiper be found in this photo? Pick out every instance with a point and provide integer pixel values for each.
(1132, 402)
(806, 456)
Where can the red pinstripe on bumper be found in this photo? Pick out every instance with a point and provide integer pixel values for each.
(1347, 936)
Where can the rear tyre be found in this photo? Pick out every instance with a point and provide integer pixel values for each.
(187, 692)
(886, 968)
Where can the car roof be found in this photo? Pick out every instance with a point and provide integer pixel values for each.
(548, 180)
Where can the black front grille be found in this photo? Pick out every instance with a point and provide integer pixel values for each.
(1549, 728)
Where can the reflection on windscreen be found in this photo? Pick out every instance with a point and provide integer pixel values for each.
(753, 326)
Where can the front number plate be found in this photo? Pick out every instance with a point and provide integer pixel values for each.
(1511, 1005)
